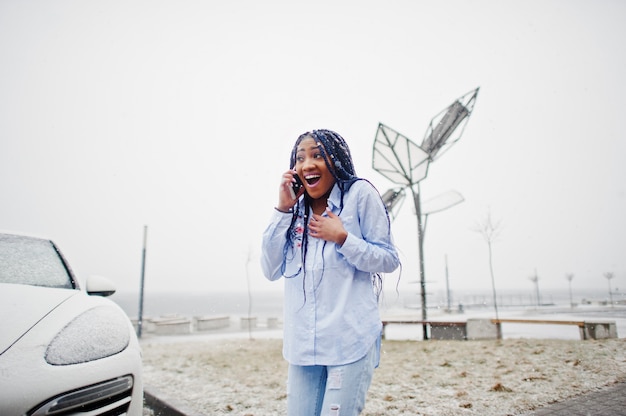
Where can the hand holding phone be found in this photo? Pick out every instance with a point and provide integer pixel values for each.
(290, 191)
(295, 186)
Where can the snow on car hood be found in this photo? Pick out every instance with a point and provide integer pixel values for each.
(22, 306)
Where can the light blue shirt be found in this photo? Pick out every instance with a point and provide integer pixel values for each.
(331, 312)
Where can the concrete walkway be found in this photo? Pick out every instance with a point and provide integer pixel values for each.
(608, 401)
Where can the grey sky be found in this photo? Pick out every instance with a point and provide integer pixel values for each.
(181, 115)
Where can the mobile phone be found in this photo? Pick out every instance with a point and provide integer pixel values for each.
(295, 186)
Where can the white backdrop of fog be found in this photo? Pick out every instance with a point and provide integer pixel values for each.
(180, 115)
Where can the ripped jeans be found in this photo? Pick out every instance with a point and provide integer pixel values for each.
(331, 390)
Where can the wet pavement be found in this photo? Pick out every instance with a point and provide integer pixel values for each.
(608, 401)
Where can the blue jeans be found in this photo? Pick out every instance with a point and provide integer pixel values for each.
(337, 390)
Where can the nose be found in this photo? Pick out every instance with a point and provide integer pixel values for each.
(308, 163)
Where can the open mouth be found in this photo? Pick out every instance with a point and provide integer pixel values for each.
(312, 179)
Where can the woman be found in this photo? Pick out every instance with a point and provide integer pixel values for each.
(330, 241)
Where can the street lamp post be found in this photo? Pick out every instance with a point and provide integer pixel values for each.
(609, 276)
(535, 280)
(569, 278)
(141, 287)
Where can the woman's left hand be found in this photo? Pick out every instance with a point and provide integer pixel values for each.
(328, 228)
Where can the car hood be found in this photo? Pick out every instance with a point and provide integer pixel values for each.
(22, 306)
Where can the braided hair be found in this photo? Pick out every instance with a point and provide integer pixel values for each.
(338, 159)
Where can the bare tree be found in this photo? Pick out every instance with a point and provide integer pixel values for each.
(609, 276)
(490, 231)
(570, 277)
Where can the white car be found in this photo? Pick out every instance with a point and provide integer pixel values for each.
(63, 349)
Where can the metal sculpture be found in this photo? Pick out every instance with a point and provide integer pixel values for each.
(405, 163)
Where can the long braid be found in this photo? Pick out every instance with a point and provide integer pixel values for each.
(338, 159)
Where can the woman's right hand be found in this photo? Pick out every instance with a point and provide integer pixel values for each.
(286, 197)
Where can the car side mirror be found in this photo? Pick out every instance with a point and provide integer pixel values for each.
(99, 286)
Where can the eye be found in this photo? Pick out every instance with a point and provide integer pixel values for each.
(299, 159)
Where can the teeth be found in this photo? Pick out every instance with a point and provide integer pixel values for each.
(311, 177)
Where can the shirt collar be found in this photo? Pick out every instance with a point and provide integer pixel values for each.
(334, 199)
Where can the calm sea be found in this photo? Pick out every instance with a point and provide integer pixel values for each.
(270, 304)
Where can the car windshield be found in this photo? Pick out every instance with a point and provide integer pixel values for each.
(32, 261)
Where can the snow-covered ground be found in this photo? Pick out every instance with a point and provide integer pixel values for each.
(244, 373)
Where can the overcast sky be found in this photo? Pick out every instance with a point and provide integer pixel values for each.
(180, 115)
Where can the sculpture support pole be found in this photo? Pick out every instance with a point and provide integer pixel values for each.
(420, 244)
